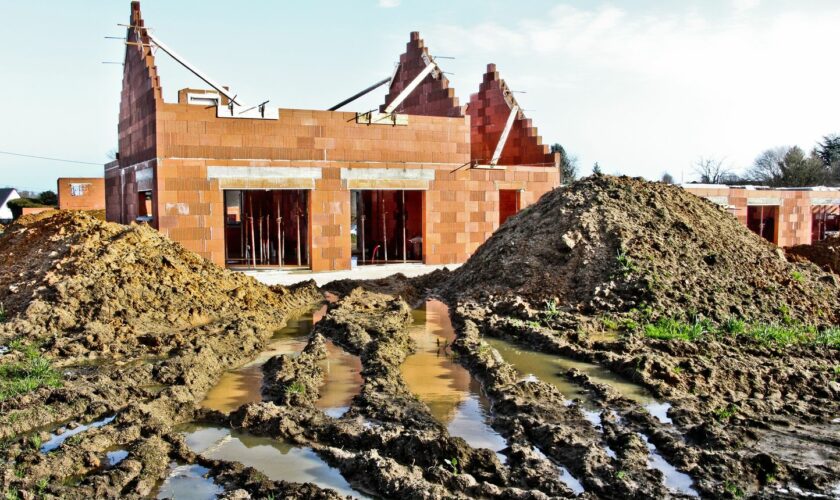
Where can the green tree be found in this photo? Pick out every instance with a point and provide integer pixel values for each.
(596, 169)
(828, 152)
(48, 198)
(667, 178)
(568, 163)
(788, 167)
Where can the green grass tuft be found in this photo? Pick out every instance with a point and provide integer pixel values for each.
(34, 372)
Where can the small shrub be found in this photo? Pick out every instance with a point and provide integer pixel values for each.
(551, 311)
(677, 369)
(797, 276)
(733, 489)
(620, 474)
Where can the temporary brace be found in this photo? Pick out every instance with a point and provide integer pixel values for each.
(514, 111)
(410, 87)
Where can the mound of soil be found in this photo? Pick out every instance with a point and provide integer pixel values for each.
(825, 253)
(614, 244)
(71, 272)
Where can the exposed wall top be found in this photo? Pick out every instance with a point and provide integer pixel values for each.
(433, 97)
(489, 110)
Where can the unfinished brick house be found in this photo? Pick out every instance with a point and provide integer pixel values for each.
(423, 179)
(785, 216)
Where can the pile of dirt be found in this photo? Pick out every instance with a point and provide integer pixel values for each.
(72, 273)
(825, 253)
(618, 244)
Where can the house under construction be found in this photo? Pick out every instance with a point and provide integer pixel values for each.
(421, 179)
(784, 216)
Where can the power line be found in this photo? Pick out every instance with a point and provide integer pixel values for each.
(47, 158)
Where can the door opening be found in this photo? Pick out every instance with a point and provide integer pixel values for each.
(267, 228)
(386, 226)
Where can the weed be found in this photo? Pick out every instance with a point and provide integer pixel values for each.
(551, 311)
(733, 489)
(20, 471)
(829, 337)
(797, 276)
(11, 494)
(677, 369)
(483, 348)
(41, 485)
(453, 464)
(296, 387)
(836, 372)
(784, 310)
(724, 413)
(534, 324)
(620, 474)
(625, 263)
(629, 325)
(35, 441)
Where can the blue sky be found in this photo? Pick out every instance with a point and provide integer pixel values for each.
(641, 87)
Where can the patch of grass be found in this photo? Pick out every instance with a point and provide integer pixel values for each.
(11, 494)
(296, 387)
(534, 324)
(733, 326)
(670, 329)
(677, 369)
(829, 337)
(620, 474)
(609, 323)
(724, 413)
(41, 485)
(34, 372)
(797, 276)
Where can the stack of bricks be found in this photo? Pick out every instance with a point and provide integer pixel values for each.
(432, 97)
(489, 110)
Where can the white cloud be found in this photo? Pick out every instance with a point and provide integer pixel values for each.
(387, 4)
(652, 91)
(745, 5)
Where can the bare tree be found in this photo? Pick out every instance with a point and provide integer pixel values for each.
(712, 170)
(667, 178)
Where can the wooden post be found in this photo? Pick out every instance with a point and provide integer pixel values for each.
(404, 218)
(251, 222)
(363, 238)
(297, 214)
(384, 229)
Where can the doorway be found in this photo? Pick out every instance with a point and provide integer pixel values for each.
(386, 226)
(825, 222)
(763, 221)
(267, 228)
(508, 204)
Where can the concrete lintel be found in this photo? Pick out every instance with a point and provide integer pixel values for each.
(245, 183)
(390, 174)
(381, 184)
(825, 201)
(272, 173)
(766, 202)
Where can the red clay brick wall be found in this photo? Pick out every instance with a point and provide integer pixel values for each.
(489, 111)
(93, 197)
(432, 97)
(141, 93)
(189, 131)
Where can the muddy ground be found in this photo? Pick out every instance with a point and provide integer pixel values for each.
(122, 333)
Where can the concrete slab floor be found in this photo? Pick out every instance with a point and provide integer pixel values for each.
(288, 277)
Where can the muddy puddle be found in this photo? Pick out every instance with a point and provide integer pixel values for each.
(189, 481)
(453, 396)
(275, 458)
(342, 371)
(57, 439)
(551, 368)
(675, 480)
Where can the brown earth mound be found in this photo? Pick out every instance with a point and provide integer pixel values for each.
(610, 244)
(71, 272)
(825, 253)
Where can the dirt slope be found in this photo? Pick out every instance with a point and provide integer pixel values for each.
(71, 272)
(825, 253)
(613, 244)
